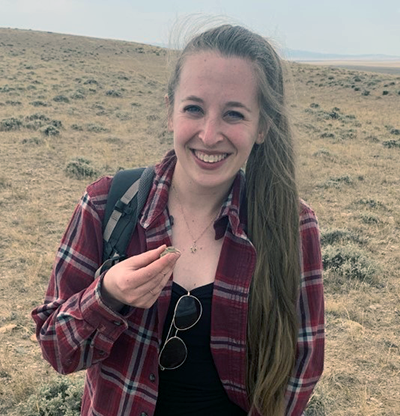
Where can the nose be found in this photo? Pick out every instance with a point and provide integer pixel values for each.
(211, 133)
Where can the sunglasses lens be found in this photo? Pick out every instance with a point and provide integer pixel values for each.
(188, 312)
(173, 354)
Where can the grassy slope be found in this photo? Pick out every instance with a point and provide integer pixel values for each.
(348, 168)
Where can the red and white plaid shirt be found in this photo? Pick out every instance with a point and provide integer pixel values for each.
(76, 330)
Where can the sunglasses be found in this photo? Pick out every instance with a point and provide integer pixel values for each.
(187, 313)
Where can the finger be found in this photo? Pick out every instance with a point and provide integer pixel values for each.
(155, 273)
(164, 265)
(144, 259)
(151, 294)
(158, 285)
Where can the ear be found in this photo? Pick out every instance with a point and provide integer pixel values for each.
(262, 134)
(167, 105)
(260, 138)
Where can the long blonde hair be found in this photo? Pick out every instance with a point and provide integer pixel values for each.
(273, 218)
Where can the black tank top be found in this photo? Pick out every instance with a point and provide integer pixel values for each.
(194, 388)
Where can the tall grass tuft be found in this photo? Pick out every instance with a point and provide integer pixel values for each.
(61, 397)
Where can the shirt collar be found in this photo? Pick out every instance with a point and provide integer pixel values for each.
(230, 210)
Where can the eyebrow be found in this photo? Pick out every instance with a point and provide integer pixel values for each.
(228, 104)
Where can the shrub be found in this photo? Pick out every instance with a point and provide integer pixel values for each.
(61, 99)
(6, 88)
(91, 82)
(369, 219)
(80, 168)
(365, 92)
(114, 140)
(33, 140)
(50, 131)
(316, 406)
(349, 134)
(114, 93)
(334, 236)
(322, 152)
(61, 397)
(391, 143)
(78, 96)
(328, 135)
(10, 124)
(336, 182)
(13, 103)
(39, 103)
(385, 92)
(372, 139)
(95, 128)
(37, 116)
(349, 261)
(371, 203)
(56, 123)
(34, 125)
(396, 132)
(334, 115)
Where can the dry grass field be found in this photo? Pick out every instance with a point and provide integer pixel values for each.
(75, 108)
(384, 67)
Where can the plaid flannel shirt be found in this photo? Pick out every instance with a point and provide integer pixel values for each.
(76, 330)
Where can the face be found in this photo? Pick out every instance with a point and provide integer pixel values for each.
(215, 119)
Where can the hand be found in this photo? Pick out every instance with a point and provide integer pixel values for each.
(138, 280)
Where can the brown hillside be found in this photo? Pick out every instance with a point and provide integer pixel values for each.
(74, 108)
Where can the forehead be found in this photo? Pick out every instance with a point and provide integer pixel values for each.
(210, 72)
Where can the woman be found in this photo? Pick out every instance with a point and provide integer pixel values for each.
(247, 276)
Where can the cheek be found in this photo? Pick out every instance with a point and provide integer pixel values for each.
(242, 138)
(183, 130)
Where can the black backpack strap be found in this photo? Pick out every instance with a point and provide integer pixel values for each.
(126, 198)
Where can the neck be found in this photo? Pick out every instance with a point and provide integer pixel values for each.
(195, 199)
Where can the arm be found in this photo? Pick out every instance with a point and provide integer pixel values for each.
(310, 345)
(74, 327)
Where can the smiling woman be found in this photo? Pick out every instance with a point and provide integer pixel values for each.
(232, 322)
(215, 120)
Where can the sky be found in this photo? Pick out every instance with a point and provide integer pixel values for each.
(325, 26)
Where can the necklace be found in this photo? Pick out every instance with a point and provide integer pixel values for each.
(194, 247)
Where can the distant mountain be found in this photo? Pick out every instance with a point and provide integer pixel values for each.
(296, 55)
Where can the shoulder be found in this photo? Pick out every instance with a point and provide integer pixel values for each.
(310, 241)
(99, 188)
(94, 199)
(97, 192)
(308, 218)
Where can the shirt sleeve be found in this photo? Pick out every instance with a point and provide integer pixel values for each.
(74, 328)
(310, 344)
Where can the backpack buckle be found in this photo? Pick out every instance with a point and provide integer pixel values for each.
(123, 208)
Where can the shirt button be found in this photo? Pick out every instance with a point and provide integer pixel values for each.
(102, 353)
(118, 323)
(152, 377)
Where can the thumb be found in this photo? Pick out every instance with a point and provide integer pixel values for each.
(146, 258)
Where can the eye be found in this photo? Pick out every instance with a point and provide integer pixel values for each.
(193, 109)
(234, 115)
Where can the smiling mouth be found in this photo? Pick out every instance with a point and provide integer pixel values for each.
(210, 158)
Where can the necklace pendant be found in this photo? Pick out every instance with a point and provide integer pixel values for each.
(193, 249)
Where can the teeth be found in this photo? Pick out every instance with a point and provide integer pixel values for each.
(210, 158)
